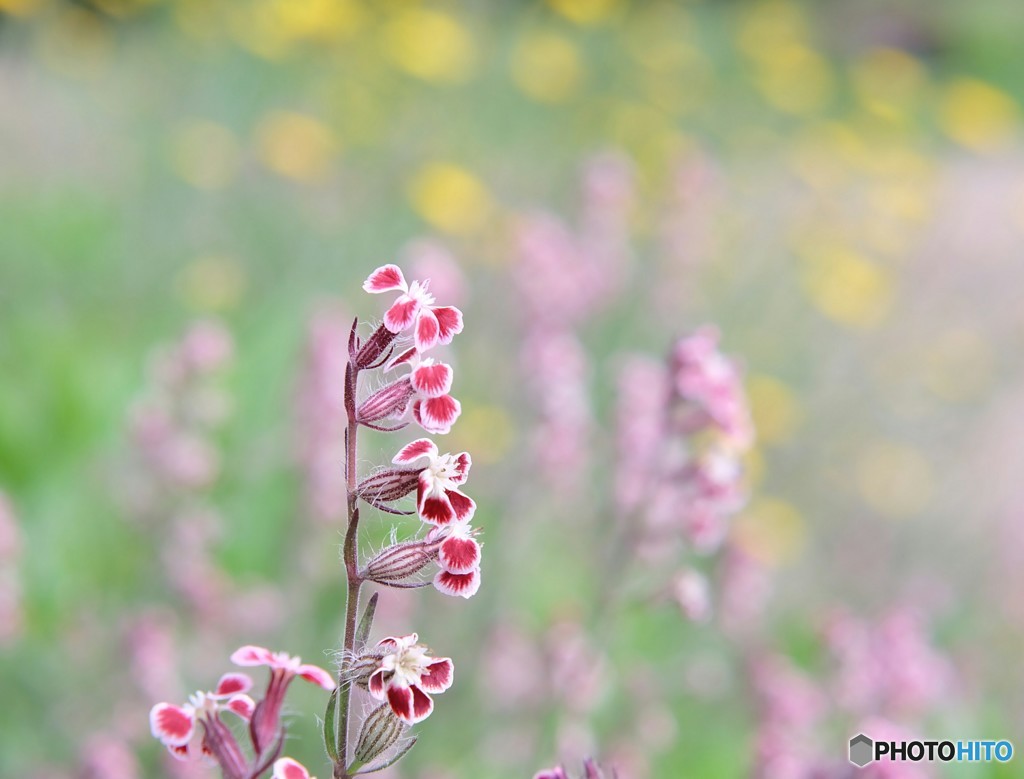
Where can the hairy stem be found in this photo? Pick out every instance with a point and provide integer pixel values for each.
(350, 554)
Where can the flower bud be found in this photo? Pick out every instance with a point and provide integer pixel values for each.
(371, 352)
(391, 400)
(387, 486)
(400, 561)
(380, 731)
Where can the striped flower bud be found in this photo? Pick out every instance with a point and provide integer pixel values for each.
(380, 730)
(398, 562)
(389, 401)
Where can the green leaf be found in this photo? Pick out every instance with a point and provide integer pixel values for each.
(363, 631)
(330, 732)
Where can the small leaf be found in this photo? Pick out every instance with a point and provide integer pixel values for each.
(330, 734)
(366, 623)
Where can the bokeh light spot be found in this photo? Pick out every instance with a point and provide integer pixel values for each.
(295, 145)
(775, 410)
(547, 67)
(772, 531)
(429, 45)
(979, 115)
(450, 198)
(895, 480)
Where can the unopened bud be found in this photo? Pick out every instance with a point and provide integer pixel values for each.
(388, 486)
(371, 352)
(388, 401)
(400, 561)
(380, 731)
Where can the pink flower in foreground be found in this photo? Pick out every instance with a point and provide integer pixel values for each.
(438, 499)
(415, 309)
(406, 675)
(175, 726)
(283, 668)
(286, 768)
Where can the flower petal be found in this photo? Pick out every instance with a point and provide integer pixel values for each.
(316, 675)
(464, 585)
(232, 683)
(439, 675)
(463, 505)
(376, 684)
(436, 415)
(463, 462)
(242, 705)
(459, 555)
(449, 320)
(385, 279)
(408, 356)
(421, 447)
(432, 379)
(286, 768)
(252, 655)
(173, 725)
(422, 704)
(402, 314)
(427, 330)
(436, 509)
(400, 700)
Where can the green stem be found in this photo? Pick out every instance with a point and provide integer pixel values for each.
(350, 554)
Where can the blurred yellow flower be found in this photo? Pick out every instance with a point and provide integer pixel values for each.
(847, 287)
(21, 7)
(212, 284)
(295, 145)
(430, 45)
(547, 67)
(123, 8)
(766, 27)
(772, 531)
(887, 81)
(205, 154)
(255, 26)
(325, 20)
(775, 411)
(979, 115)
(795, 79)
(959, 365)
(450, 198)
(586, 11)
(895, 480)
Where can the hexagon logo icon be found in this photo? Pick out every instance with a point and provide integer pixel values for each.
(862, 750)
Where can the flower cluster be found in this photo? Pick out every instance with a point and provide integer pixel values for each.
(195, 729)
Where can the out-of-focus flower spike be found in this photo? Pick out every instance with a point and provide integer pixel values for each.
(242, 705)
(316, 675)
(172, 725)
(232, 684)
(385, 279)
(286, 768)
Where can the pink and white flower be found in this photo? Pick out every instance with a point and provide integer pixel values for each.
(459, 558)
(265, 727)
(406, 675)
(432, 407)
(286, 768)
(176, 726)
(415, 309)
(438, 499)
